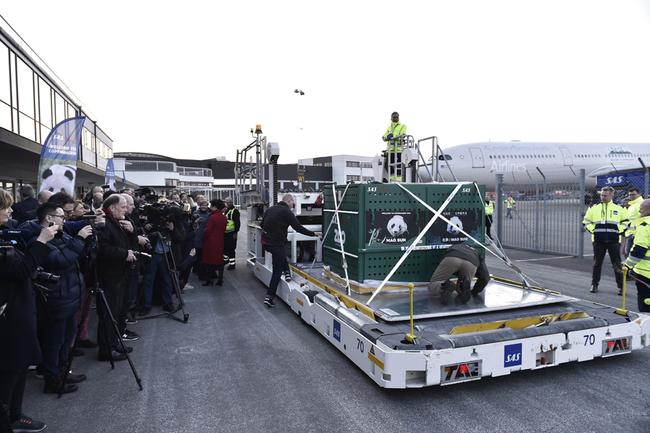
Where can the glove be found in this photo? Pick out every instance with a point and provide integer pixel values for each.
(389, 137)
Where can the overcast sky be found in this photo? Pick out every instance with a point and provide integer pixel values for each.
(189, 79)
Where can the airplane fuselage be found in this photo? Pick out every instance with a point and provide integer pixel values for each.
(532, 162)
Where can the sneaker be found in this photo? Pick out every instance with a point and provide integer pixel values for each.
(287, 276)
(188, 287)
(26, 424)
(269, 302)
(169, 307)
(231, 267)
(130, 335)
(594, 288)
(464, 292)
(131, 320)
(144, 311)
(448, 288)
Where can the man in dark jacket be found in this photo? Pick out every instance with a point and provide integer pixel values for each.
(113, 257)
(29, 215)
(27, 203)
(275, 223)
(56, 326)
(464, 261)
(18, 343)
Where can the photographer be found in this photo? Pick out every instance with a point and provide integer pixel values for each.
(56, 329)
(161, 234)
(113, 257)
(129, 224)
(18, 342)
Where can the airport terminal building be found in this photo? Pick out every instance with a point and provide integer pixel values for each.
(32, 101)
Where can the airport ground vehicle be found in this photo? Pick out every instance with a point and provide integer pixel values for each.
(353, 286)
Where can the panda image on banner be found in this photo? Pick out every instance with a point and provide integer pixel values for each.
(397, 226)
(453, 230)
(59, 178)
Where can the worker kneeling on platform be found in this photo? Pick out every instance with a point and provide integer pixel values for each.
(465, 262)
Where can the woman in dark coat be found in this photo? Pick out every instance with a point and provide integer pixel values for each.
(18, 343)
(213, 242)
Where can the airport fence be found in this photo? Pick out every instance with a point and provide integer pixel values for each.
(543, 217)
(547, 217)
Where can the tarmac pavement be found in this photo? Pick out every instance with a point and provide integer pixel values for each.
(238, 366)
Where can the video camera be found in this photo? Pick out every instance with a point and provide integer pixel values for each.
(6, 252)
(10, 238)
(159, 214)
(147, 193)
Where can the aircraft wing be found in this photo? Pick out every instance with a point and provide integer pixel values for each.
(611, 170)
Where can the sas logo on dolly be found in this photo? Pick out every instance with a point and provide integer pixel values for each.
(337, 330)
(512, 355)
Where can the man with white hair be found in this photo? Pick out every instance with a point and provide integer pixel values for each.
(113, 256)
(275, 223)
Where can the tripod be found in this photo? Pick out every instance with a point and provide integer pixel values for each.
(97, 291)
(173, 273)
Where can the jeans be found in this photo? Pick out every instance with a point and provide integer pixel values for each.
(158, 261)
(280, 264)
(55, 339)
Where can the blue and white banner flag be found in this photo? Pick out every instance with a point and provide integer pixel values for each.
(109, 177)
(57, 170)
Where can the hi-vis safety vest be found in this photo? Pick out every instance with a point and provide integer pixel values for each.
(632, 215)
(639, 258)
(606, 222)
(395, 129)
(230, 227)
(489, 208)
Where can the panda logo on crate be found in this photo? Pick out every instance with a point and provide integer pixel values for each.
(59, 178)
(458, 223)
(397, 227)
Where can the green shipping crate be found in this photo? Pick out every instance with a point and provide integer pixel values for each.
(378, 222)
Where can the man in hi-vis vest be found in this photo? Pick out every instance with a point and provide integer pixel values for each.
(230, 237)
(394, 147)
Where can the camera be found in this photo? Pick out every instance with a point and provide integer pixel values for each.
(159, 214)
(194, 221)
(6, 252)
(147, 193)
(42, 277)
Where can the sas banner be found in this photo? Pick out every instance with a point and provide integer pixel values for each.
(57, 170)
(109, 177)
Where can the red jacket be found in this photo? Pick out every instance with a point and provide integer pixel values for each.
(213, 238)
